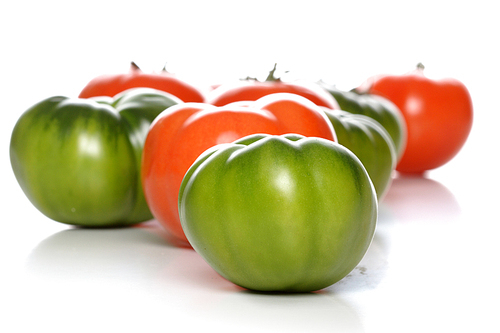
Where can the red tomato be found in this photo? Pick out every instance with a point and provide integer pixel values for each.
(438, 115)
(181, 133)
(251, 90)
(112, 84)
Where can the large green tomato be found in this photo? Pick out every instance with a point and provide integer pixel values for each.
(78, 160)
(279, 213)
(370, 142)
(379, 108)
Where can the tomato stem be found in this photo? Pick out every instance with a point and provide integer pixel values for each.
(271, 77)
(164, 69)
(420, 67)
(134, 67)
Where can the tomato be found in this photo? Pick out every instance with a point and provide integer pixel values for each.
(381, 109)
(370, 142)
(251, 90)
(78, 160)
(180, 134)
(279, 213)
(112, 84)
(438, 115)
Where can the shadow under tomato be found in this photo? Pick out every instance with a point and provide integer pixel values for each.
(321, 311)
(155, 227)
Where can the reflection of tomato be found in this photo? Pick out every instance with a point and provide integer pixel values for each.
(251, 90)
(112, 84)
(179, 135)
(409, 194)
(438, 116)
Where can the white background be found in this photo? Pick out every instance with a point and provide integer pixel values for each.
(433, 263)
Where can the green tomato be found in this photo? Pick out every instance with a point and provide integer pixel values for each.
(279, 213)
(370, 142)
(379, 108)
(78, 160)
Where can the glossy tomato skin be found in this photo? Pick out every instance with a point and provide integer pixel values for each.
(180, 134)
(252, 90)
(370, 142)
(78, 160)
(112, 84)
(438, 114)
(279, 215)
(380, 109)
